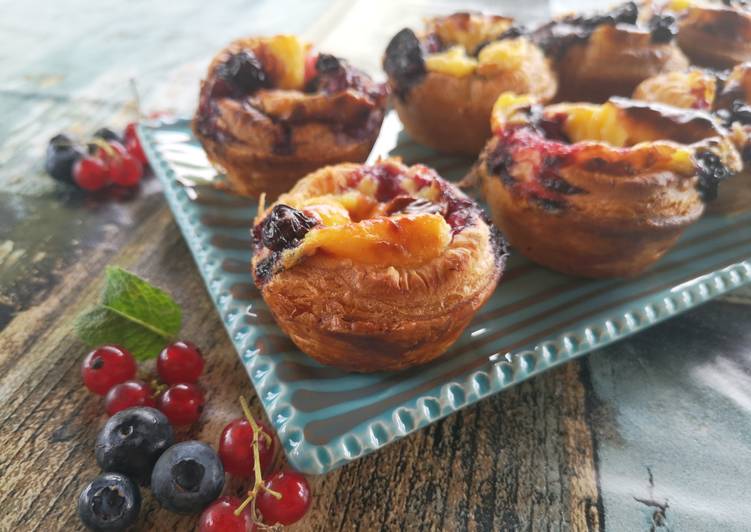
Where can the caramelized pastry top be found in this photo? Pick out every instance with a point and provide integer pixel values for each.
(624, 139)
(279, 82)
(385, 214)
(460, 45)
(557, 36)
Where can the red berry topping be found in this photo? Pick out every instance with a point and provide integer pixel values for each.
(107, 366)
(180, 362)
(133, 145)
(310, 66)
(90, 173)
(236, 448)
(128, 394)
(220, 517)
(182, 403)
(294, 501)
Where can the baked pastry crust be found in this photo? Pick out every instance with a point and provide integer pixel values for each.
(363, 300)
(712, 34)
(445, 79)
(300, 115)
(591, 190)
(728, 97)
(609, 54)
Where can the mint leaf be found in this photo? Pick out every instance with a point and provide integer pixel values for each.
(133, 314)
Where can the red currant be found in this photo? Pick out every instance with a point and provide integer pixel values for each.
(182, 403)
(128, 394)
(132, 144)
(220, 517)
(236, 448)
(90, 173)
(107, 366)
(180, 362)
(293, 504)
(128, 172)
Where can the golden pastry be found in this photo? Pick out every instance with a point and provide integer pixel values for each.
(698, 89)
(603, 55)
(600, 190)
(445, 79)
(271, 110)
(712, 34)
(375, 267)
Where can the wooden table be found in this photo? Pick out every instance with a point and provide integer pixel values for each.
(627, 439)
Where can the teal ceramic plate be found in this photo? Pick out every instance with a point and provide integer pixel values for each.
(535, 320)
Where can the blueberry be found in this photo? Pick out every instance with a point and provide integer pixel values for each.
(244, 71)
(403, 61)
(662, 28)
(285, 227)
(327, 63)
(107, 134)
(109, 502)
(131, 442)
(711, 171)
(62, 154)
(187, 477)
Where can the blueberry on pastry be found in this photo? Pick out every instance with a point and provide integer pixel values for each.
(375, 267)
(446, 78)
(600, 190)
(606, 54)
(272, 110)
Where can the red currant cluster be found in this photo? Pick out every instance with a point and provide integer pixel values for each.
(109, 160)
(111, 371)
(246, 449)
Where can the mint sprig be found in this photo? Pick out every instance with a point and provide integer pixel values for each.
(133, 314)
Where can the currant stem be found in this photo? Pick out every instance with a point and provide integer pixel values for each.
(258, 481)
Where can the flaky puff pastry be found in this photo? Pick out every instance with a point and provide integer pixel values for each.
(445, 79)
(606, 54)
(375, 268)
(712, 34)
(594, 190)
(272, 109)
(728, 98)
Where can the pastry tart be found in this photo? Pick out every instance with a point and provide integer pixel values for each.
(377, 267)
(608, 54)
(272, 110)
(729, 98)
(600, 190)
(445, 79)
(712, 34)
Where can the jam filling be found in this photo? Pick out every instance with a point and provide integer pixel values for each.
(286, 227)
(542, 145)
(557, 36)
(243, 74)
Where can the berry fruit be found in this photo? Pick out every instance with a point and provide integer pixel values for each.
(236, 448)
(244, 71)
(90, 173)
(182, 403)
(220, 517)
(187, 477)
(294, 501)
(179, 363)
(107, 366)
(127, 172)
(129, 394)
(62, 154)
(131, 442)
(133, 145)
(109, 502)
